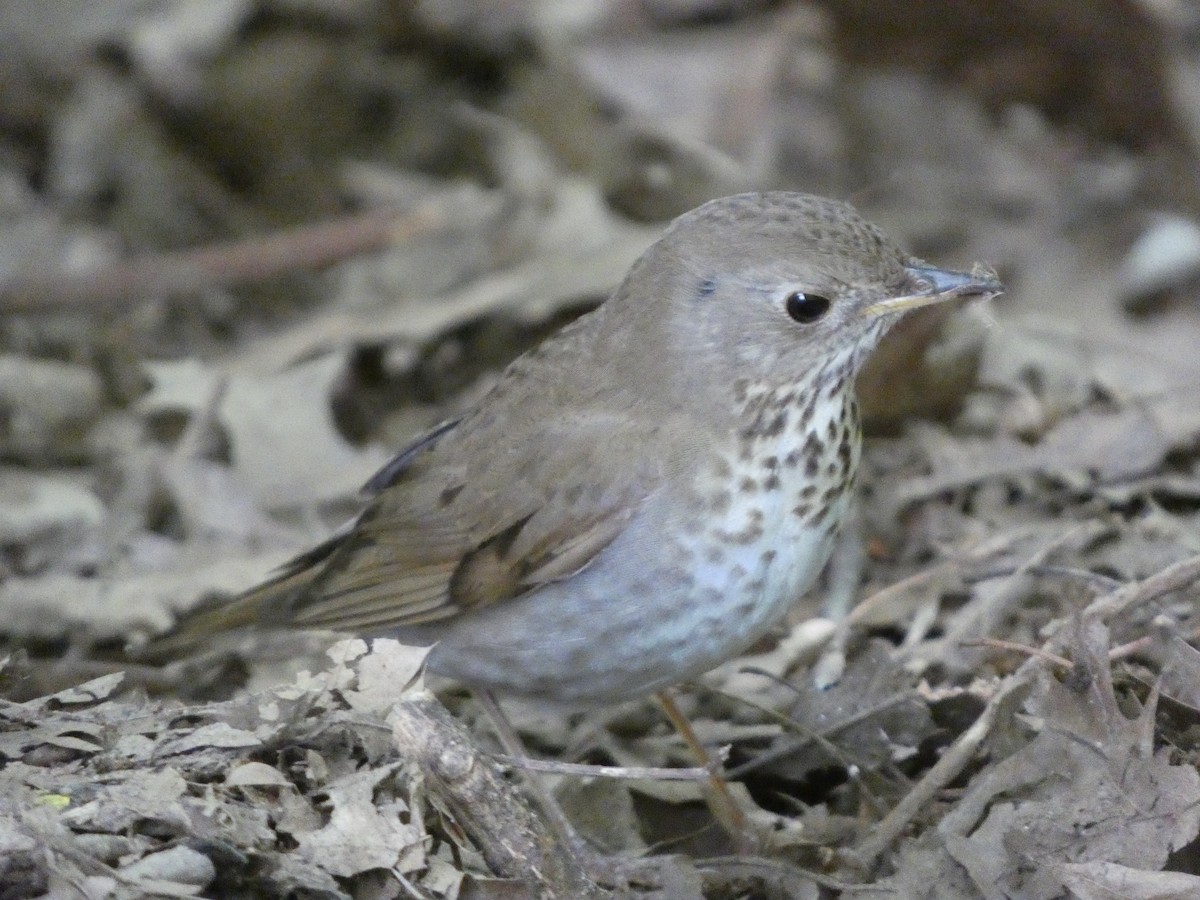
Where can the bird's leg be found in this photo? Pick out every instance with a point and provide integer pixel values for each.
(724, 807)
(846, 564)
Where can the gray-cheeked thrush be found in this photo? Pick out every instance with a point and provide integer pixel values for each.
(645, 494)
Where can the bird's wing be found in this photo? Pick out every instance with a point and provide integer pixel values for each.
(471, 518)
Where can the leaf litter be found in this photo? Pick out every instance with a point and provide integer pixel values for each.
(1009, 708)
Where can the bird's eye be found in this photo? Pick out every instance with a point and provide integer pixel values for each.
(806, 308)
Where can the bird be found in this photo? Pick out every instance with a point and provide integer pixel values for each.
(645, 494)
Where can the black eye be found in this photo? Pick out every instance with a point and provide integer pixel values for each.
(806, 308)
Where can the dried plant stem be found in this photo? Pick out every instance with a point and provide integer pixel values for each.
(1011, 692)
(515, 841)
(1174, 577)
(250, 260)
(584, 770)
(946, 769)
(511, 742)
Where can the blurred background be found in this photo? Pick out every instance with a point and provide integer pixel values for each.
(250, 247)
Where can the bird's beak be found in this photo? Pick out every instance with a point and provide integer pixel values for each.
(939, 285)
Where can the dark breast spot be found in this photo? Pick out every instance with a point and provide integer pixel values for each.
(818, 515)
(806, 413)
(845, 451)
(776, 425)
(747, 535)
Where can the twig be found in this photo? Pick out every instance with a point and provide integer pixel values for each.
(253, 259)
(515, 842)
(511, 741)
(981, 618)
(960, 753)
(1180, 575)
(946, 769)
(886, 596)
(1132, 648)
(1023, 649)
(1095, 578)
(583, 770)
(807, 737)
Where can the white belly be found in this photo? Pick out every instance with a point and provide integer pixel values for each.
(695, 579)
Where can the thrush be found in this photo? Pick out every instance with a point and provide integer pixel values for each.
(645, 494)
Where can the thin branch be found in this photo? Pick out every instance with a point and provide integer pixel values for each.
(630, 773)
(246, 261)
(956, 758)
(1180, 575)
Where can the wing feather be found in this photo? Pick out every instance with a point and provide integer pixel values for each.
(470, 514)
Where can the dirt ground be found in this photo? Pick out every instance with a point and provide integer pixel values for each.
(248, 248)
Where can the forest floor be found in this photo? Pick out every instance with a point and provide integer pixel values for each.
(249, 247)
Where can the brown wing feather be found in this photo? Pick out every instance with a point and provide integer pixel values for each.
(377, 582)
(443, 536)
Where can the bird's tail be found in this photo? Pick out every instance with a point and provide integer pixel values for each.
(266, 605)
